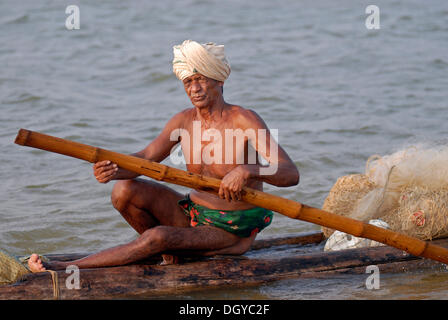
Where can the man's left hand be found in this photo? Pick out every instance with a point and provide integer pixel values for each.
(233, 183)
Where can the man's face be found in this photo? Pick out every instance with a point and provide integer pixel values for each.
(202, 91)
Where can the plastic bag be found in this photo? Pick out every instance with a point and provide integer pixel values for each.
(342, 241)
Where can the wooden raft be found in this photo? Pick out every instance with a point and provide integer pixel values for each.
(149, 279)
(287, 207)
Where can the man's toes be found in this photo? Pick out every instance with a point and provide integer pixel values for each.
(169, 259)
(35, 263)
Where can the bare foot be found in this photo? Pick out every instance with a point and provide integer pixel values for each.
(169, 259)
(35, 264)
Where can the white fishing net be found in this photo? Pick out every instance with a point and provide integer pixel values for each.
(408, 189)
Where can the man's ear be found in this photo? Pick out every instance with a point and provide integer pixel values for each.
(221, 84)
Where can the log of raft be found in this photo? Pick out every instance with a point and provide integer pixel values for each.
(302, 257)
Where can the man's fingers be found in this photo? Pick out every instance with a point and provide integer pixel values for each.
(108, 173)
(101, 164)
(238, 195)
(227, 195)
(105, 178)
(103, 169)
(230, 192)
(236, 191)
(105, 173)
(223, 191)
(234, 196)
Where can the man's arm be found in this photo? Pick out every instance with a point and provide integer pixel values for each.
(157, 151)
(280, 172)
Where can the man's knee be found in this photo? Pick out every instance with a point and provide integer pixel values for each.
(122, 193)
(241, 247)
(156, 237)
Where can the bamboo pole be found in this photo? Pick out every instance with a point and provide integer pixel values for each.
(289, 208)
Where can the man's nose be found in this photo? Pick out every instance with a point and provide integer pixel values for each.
(195, 87)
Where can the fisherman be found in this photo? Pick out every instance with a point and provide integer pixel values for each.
(199, 222)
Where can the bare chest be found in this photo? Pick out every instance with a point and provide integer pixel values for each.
(216, 150)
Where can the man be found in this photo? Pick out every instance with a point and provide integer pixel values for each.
(200, 222)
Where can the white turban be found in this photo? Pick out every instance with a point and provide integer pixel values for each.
(208, 59)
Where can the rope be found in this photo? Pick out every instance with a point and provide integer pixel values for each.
(54, 279)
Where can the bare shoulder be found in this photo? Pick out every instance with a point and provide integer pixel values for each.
(180, 118)
(245, 117)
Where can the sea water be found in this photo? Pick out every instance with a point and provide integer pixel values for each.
(336, 90)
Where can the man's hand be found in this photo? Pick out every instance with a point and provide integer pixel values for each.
(104, 171)
(233, 183)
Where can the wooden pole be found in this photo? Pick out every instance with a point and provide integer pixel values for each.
(289, 208)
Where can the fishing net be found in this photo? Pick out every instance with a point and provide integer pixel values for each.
(11, 269)
(422, 213)
(345, 194)
(403, 189)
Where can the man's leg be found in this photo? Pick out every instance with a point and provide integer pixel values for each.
(152, 210)
(145, 204)
(203, 239)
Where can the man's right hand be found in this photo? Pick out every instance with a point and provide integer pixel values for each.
(105, 171)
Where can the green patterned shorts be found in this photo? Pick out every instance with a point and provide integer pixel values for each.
(242, 223)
